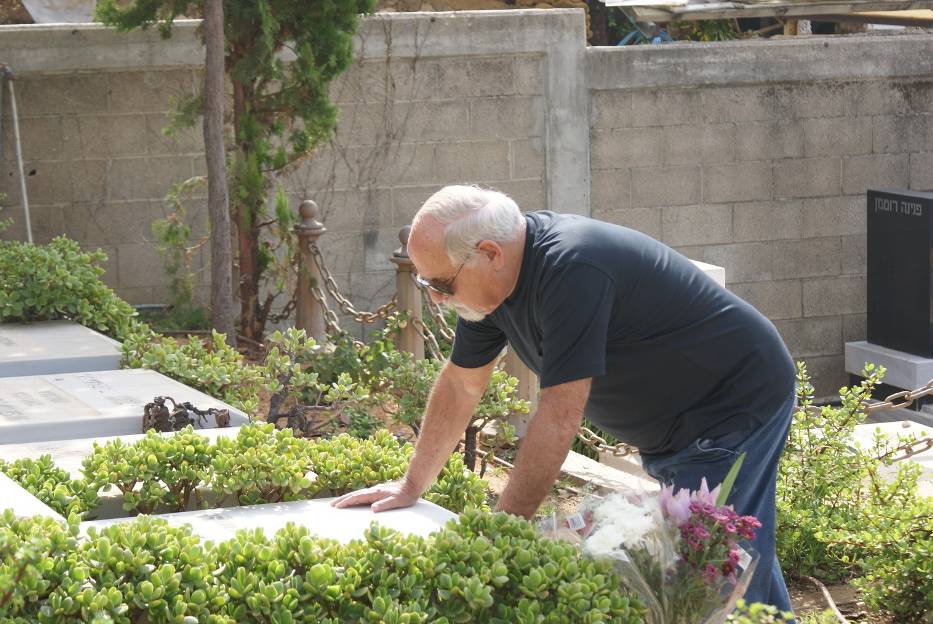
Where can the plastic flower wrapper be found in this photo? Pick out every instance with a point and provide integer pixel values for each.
(678, 552)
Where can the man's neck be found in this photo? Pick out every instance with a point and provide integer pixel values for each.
(517, 255)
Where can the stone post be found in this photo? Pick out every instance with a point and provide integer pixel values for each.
(309, 315)
(409, 297)
(527, 389)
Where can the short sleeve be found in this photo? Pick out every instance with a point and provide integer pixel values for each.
(576, 307)
(476, 343)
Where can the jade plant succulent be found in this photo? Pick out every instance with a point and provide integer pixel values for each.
(482, 567)
(261, 464)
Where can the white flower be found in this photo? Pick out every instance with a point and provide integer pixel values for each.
(621, 523)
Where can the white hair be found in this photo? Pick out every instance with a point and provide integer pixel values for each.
(471, 214)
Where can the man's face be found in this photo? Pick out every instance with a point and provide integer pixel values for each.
(465, 283)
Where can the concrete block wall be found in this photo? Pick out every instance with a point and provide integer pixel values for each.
(426, 104)
(99, 167)
(753, 155)
(756, 156)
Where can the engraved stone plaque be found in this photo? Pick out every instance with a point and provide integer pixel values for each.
(900, 270)
(86, 405)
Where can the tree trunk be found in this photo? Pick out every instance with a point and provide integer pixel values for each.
(247, 232)
(222, 303)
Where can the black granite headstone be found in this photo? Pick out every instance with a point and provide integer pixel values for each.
(900, 270)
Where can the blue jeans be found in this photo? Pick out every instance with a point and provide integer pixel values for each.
(753, 493)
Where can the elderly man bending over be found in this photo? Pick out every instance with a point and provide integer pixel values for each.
(620, 329)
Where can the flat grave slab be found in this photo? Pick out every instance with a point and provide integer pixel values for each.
(317, 515)
(718, 273)
(22, 502)
(52, 347)
(865, 436)
(617, 473)
(68, 454)
(87, 405)
(905, 370)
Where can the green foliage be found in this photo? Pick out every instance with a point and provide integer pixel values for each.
(364, 362)
(173, 319)
(898, 565)
(215, 368)
(406, 386)
(758, 613)
(157, 470)
(705, 30)
(482, 568)
(839, 516)
(173, 241)
(52, 485)
(56, 281)
(35, 561)
(261, 464)
(289, 370)
(282, 112)
(407, 383)
(822, 617)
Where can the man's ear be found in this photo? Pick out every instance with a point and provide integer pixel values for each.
(493, 252)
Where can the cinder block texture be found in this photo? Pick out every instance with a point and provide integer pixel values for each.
(752, 155)
(785, 143)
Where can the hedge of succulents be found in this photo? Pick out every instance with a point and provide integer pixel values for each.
(482, 567)
(261, 464)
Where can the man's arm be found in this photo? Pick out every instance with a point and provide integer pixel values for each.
(545, 447)
(453, 400)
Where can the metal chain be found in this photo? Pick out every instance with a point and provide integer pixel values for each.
(429, 340)
(286, 311)
(595, 442)
(902, 399)
(331, 322)
(345, 304)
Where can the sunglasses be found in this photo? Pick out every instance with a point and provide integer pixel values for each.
(441, 286)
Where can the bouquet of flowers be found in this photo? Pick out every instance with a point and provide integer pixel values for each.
(678, 552)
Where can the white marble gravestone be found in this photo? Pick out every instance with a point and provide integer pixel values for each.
(87, 405)
(317, 515)
(23, 504)
(52, 347)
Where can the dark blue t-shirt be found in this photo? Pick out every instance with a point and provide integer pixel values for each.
(673, 355)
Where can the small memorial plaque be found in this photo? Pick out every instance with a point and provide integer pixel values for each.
(52, 347)
(86, 405)
(900, 270)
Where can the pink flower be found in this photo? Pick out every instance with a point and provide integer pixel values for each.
(710, 573)
(728, 570)
(675, 506)
(704, 495)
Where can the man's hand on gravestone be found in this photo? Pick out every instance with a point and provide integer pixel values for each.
(382, 497)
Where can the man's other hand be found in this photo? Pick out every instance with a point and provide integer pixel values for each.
(380, 497)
